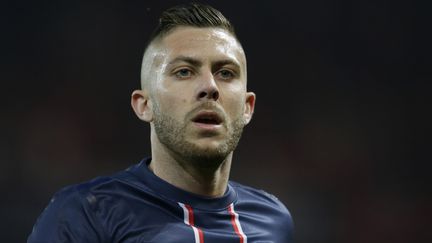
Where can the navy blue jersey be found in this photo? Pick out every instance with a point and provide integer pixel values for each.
(137, 206)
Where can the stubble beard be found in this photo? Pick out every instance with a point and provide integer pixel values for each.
(172, 134)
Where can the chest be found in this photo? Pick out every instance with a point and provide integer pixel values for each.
(171, 223)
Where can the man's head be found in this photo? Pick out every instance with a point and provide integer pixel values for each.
(192, 15)
(193, 81)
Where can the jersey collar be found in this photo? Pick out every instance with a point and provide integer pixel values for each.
(164, 189)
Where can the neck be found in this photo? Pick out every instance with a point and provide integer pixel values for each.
(191, 176)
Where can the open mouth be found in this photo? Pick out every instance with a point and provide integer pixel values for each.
(210, 118)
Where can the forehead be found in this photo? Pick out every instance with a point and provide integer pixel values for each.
(200, 43)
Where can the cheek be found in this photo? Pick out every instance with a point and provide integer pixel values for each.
(173, 93)
(233, 101)
(171, 103)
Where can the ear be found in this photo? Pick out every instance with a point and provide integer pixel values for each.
(142, 106)
(249, 107)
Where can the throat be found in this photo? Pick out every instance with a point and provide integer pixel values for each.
(205, 180)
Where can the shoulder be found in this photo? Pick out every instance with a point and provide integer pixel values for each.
(92, 193)
(262, 204)
(74, 212)
(79, 194)
(257, 195)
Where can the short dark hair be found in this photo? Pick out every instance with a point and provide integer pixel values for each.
(193, 15)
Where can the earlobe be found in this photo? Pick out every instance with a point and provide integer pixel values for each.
(141, 104)
(249, 107)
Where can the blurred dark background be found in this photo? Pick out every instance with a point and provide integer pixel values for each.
(339, 133)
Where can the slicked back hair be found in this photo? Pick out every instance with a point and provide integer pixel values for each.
(192, 15)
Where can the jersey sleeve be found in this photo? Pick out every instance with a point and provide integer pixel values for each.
(67, 218)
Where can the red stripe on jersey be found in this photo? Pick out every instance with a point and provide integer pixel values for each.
(191, 215)
(201, 235)
(236, 224)
(192, 223)
(190, 220)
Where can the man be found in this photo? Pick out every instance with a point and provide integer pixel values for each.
(194, 96)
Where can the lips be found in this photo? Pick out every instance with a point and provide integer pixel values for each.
(208, 117)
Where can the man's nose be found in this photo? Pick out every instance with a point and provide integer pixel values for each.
(208, 88)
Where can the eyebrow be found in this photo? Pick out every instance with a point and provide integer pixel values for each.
(190, 60)
(195, 62)
(227, 62)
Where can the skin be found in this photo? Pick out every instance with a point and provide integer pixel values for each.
(189, 71)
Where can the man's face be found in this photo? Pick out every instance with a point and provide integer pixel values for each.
(198, 92)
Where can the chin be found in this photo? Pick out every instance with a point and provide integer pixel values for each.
(207, 153)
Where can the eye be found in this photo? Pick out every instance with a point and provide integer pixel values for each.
(226, 74)
(183, 73)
